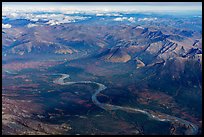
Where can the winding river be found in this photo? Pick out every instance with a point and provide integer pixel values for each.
(192, 129)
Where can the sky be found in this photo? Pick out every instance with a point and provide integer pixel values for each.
(139, 6)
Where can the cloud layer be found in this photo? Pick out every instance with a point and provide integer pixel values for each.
(50, 18)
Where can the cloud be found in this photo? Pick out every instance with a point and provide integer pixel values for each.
(108, 14)
(65, 19)
(53, 22)
(131, 19)
(31, 25)
(99, 14)
(120, 19)
(35, 19)
(147, 19)
(6, 26)
(51, 18)
(139, 27)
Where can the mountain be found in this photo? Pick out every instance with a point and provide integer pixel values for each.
(63, 68)
(117, 44)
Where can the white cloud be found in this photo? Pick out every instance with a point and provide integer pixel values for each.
(131, 19)
(35, 19)
(120, 19)
(65, 19)
(31, 25)
(147, 19)
(53, 22)
(6, 26)
(108, 14)
(139, 27)
(52, 19)
(99, 14)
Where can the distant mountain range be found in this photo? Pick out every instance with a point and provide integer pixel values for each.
(152, 44)
(114, 43)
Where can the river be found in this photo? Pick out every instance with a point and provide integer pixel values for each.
(192, 129)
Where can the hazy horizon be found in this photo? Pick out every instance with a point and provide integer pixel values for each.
(110, 6)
